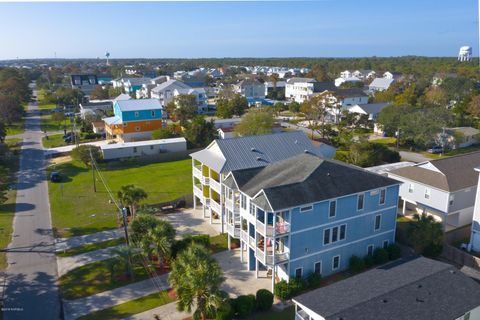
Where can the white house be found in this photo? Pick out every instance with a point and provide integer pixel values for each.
(250, 89)
(301, 89)
(164, 92)
(351, 96)
(341, 80)
(200, 97)
(142, 148)
(462, 137)
(370, 109)
(380, 84)
(364, 74)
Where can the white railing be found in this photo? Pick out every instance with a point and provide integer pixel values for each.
(197, 173)
(260, 227)
(205, 180)
(279, 258)
(198, 192)
(260, 255)
(282, 227)
(216, 206)
(236, 233)
(214, 184)
(244, 236)
(251, 241)
(228, 204)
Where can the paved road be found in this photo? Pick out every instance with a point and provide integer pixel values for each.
(73, 242)
(31, 291)
(413, 157)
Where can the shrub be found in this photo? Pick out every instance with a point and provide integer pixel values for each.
(314, 280)
(264, 300)
(225, 311)
(281, 290)
(380, 256)
(180, 245)
(432, 250)
(296, 286)
(368, 261)
(244, 305)
(394, 252)
(357, 264)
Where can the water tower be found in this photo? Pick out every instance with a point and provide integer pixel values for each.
(107, 55)
(465, 53)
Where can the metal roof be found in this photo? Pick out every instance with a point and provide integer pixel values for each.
(143, 143)
(138, 104)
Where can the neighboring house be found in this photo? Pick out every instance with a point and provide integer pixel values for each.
(364, 74)
(164, 92)
(95, 108)
(200, 97)
(351, 96)
(408, 289)
(341, 80)
(439, 77)
(130, 85)
(475, 235)
(461, 137)
(142, 148)
(226, 123)
(134, 120)
(84, 82)
(397, 76)
(98, 127)
(380, 84)
(370, 109)
(280, 86)
(345, 74)
(444, 188)
(211, 165)
(301, 89)
(225, 133)
(307, 214)
(250, 89)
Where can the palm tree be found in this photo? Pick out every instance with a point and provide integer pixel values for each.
(131, 196)
(426, 234)
(159, 241)
(125, 254)
(141, 225)
(196, 277)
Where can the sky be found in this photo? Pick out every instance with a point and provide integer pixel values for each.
(315, 28)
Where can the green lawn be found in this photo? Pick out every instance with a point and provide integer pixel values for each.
(7, 209)
(47, 106)
(130, 308)
(389, 141)
(95, 277)
(47, 124)
(77, 210)
(286, 314)
(16, 128)
(53, 141)
(451, 153)
(220, 243)
(91, 247)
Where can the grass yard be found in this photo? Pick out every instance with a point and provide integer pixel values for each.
(47, 106)
(451, 153)
(91, 247)
(53, 141)
(77, 210)
(7, 209)
(219, 243)
(130, 308)
(96, 277)
(47, 124)
(286, 314)
(389, 141)
(16, 128)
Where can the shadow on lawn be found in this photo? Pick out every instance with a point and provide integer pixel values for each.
(67, 171)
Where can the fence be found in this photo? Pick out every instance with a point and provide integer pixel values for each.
(458, 234)
(460, 257)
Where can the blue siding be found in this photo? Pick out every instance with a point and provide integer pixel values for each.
(307, 246)
(142, 114)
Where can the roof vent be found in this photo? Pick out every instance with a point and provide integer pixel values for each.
(384, 300)
(306, 151)
(328, 174)
(420, 300)
(419, 286)
(258, 158)
(253, 149)
(296, 141)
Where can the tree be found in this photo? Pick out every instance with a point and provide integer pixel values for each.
(159, 241)
(125, 254)
(114, 92)
(228, 107)
(99, 93)
(10, 110)
(316, 111)
(278, 107)
(85, 153)
(142, 225)
(58, 116)
(199, 132)
(185, 107)
(294, 107)
(255, 122)
(425, 234)
(196, 278)
(407, 97)
(223, 109)
(131, 196)
(436, 97)
(473, 106)
(390, 118)
(162, 133)
(3, 132)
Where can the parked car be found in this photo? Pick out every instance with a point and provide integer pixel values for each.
(435, 149)
(55, 177)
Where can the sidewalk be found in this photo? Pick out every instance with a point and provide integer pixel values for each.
(68, 243)
(166, 312)
(65, 264)
(73, 309)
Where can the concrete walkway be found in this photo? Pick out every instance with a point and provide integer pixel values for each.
(166, 312)
(66, 264)
(68, 243)
(74, 309)
(413, 156)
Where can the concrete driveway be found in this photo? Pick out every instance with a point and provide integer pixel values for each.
(191, 221)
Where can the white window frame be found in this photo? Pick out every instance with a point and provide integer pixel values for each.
(329, 236)
(301, 273)
(329, 209)
(368, 249)
(427, 193)
(384, 196)
(363, 201)
(333, 262)
(306, 208)
(339, 232)
(411, 188)
(315, 263)
(375, 222)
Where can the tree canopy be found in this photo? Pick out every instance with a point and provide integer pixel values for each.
(255, 122)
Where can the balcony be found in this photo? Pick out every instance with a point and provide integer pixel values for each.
(260, 227)
(197, 173)
(244, 236)
(260, 255)
(215, 185)
(229, 204)
(233, 231)
(282, 227)
(216, 206)
(251, 241)
(280, 257)
(198, 192)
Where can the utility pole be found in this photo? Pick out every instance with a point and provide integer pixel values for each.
(93, 171)
(398, 137)
(125, 224)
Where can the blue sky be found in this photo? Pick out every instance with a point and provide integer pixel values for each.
(323, 28)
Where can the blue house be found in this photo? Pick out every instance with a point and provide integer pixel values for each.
(307, 214)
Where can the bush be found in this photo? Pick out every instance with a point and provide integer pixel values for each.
(394, 252)
(282, 290)
(264, 300)
(357, 264)
(380, 256)
(180, 245)
(244, 305)
(314, 280)
(432, 250)
(368, 261)
(225, 311)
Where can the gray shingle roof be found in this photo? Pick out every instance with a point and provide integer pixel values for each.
(350, 92)
(383, 83)
(373, 108)
(414, 289)
(456, 172)
(307, 178)
(256, 151)
(297, 79)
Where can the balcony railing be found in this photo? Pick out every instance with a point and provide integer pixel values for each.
(282, 227)
(260, 227)
(228, 204)
(279, 258)
(251, 241)
(197, 173)
(260, 255)
(244, 236)
(198, 192)
(214, 184)
(216, 206)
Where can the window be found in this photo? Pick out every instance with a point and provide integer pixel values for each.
(336, 262)
(332, 209)
(153, 113)
(385, 244)
(243, 201)
(252, 208)
(451, 200)
(343, 230)
(360, 201)
(370, 250)
(427, 193)
(151, 147)
(378, 220)
(382, 196)
(298, 273)
(410, 188)
(317, 268)
(134, 149)
(137, 128)
(136, 114)
(334, 234)
(307, 208)
(326, 236)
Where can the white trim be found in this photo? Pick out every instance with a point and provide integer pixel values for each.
(303, 209)
(372, 246)
(329, 236)
(333, 262)
(342, 220)
(341, 245)
(340, 232)
(375, 223)
(384, 197)
(363, 201)
(301, 276)
(329, 208)
(321, 266)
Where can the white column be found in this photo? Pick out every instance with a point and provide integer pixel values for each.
(256, 268)
(193, 183)
(229, 241)
(273, 278)
(404, 208)
(222, 206)
(203, 206)
(241, 251)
